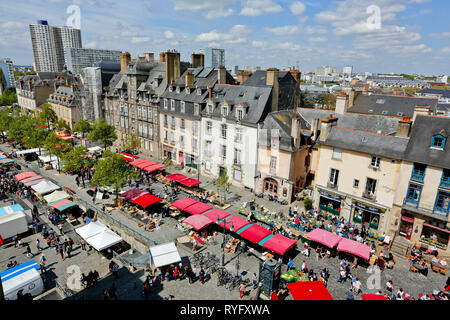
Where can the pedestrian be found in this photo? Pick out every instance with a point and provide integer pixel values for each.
(83, 244)
(38, 245)
(68, 250)
(29, 253)
(145, 289)
(304, 267)
(255, 281)
(60, 227)
(242, 289)
(113, 292)
(389, 286)
(290, 264)
(77, 180)
(357, 286)
(115, 270)
(16, 240)
(201, 275)
(105, 295)
(61, 251)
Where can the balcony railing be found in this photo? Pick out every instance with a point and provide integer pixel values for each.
(445, 183)
(411, 205)
(368, 195)
(417, 176)
(331, 185)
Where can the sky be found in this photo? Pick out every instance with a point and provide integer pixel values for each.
(380, 36)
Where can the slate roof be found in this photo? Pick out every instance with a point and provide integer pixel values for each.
(258, 78)
(443, 93)
(396, 106)
(422, 131)
(391, 147)
(65, 96)
(281, 120)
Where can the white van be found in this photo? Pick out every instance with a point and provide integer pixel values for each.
(24, 277)
(13, 224)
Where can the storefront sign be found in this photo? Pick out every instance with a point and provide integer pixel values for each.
(330, 196)
(364, 207)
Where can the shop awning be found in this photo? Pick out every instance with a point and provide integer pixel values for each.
(28, 182)
(154, 167)
(94, 149)
(146, 200)
(164, 254)
(67, 138)
(142, 163)
(28, 151)
(183, 203)
(255, 233)
(198, 222)
(408, 219)
(104, 240)
(139, 161)
(324, 237)
(238, 223)
(6, 161)
(373, 297)
(25, 175)
(279, 244)
(189, 182)
(436, 228)
(198, 208)
(91, 229)
(354, 247)
(56, 196)
(216, 213)
(133, 194)
(176, 177)
(45, 187)
(10, 209)
(128, 157)
(62, 205)
(309, 290)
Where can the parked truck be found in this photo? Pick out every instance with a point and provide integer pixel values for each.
(13, 224)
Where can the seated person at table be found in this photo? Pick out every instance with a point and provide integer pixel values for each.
(390, 261)
(435, 261)
(424, 269)
(443, 263)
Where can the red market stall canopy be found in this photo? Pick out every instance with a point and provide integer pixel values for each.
(66, 138)
(61, 205)
(237, 222)
(25, 175)
(128, 157)
(133, 194)
(183, 203)
(216, 213)
(154, 167)
(198, 222)
(28, 182)
(198, 208)
(176, 177)
(354, 247)
(142, 163)
(189, 182)
(373, 297)
(254, 233)
(146, 200)
(309, 290)
(279, 244)
(324, 237)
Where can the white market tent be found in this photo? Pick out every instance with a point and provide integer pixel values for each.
(164, 254)
(48, 158)
(104, 239)
(29, 151)
(56, 196)
(45, 187)
(91, 229)
(94, 149)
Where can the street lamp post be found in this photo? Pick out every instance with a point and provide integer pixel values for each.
(225, 237)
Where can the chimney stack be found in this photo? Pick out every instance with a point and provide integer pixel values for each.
(172, 60)
(424, 110)
(198, 60)
(243, 76)
(125, 58)
(189, 79)
(210, 92)
(272, 80)
(403, 127)
(162, 57)
(295, 130)
(325, 127)
(222, 75)
(149, 56)
(342, 103)
(315, 128)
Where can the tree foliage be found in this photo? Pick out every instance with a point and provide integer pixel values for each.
(57, 146)
(132, 142)
(76, 159)
(307, 202)
(47, 115)
(223, 183)
(35, 137)
(103, 132)
(18, 127)
(8, 97)
(82, 126)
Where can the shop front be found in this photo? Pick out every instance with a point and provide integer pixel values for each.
(168, 153)
(406, 226)
(435, 233)
(366, 215)
(330, 202)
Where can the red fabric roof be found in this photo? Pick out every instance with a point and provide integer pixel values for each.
(61, 203)
(154, 167)
(133, 193)
(129, 155)
(279, 244)
(354, 247)
(136, 162)
(324, 237)
(237, 222)
(176, 177)
(145, 164)
(183, 203)
(146, 200)
(309, 290)
(189, 182)
(255, 233)
(198, 222)
(25, 175)
(216, 213)
(31, 181)
(373, 297)
(198, 208)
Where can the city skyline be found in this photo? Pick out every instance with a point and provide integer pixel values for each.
(253, 32)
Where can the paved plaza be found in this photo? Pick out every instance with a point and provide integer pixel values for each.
(129, 284)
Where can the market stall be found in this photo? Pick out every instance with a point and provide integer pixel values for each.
(198, 222)
(142, 163)
(309, 290)
(373, 297)
(164, 254)
(183, 203)
(279, 244)
(176, 177)
(56, 196)
(24, 175)
(10, 209)
(236, 221)
(324, 237)
(6, 161)
(354, 247)
(215, 214)
(91, 229)
(128, 157)
(62, 205)
(198, 208)
(294, 275)
(189, 182)
(44, 187)
(154, 167)
(133, 194)
(146, 200)
(254, 233)
(104, 240)
(32, 181)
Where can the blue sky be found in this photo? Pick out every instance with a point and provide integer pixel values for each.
(413, 35)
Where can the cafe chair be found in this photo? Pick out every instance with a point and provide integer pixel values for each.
(443, 271)
(414, 269)
(435, 268)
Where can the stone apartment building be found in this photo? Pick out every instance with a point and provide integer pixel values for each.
(66, 102)
(132, 98)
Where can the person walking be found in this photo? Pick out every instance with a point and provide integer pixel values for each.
(201, 275)
(68, 250)
(61, 251)
(60, 227)
(38, 245)
(290, 264)
(145, 290)
(115, 270)
(83, 244)
(255, 281)
(29, 253)
(242, 289)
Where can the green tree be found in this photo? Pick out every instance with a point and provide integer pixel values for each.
(61, 124)
(18, 126)
(57, 146)
(82, 126)
(111, 170)
(132, 142)
(76, 159)
(223, 184)
(35, 137)
(9, 97)
(47, 116)
(103, 132)
(307, 202)
(5, 120)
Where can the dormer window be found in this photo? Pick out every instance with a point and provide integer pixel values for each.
(172, 105)
(438, 141)
(210, 109)
(170, 88)
(178, 89)
(166, 104)
(224, 111)
(239, 114)
(182, 107)
(188, 90)
(199, 92)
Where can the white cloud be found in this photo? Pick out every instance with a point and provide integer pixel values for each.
(289, 46)
(441, 35)
(317, 39)
(297, 8)
(169, 34)
(90, 45)
(445, 50)
(11, 25)
(255, 8)
(214, 14)
(259, 44)
(210, 9)
(139, 39)
(285, 30)
(234, 35)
